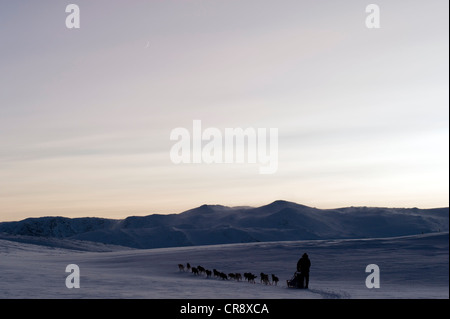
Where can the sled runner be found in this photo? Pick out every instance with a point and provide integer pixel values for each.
(296, 281)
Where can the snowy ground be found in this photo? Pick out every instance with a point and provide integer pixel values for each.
(410, 267)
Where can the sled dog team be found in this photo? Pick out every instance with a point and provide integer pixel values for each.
(299, 280)
(199, 270)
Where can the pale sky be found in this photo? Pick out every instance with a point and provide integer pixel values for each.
(86, 114)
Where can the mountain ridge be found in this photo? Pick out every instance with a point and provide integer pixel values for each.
(217, 224)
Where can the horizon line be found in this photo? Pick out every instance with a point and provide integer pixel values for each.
(231, 207)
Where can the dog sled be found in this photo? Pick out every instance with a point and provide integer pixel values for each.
(296, 281)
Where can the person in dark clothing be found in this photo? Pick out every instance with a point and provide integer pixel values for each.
(303, 266)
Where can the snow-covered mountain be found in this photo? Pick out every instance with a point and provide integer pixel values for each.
(215, 224)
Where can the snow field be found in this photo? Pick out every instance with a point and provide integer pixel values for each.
(410, 267)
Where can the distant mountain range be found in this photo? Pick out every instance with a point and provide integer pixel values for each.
(216, 224)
